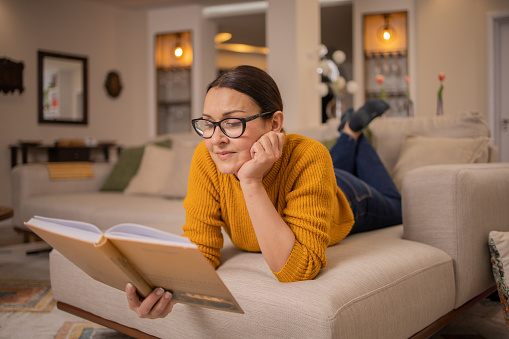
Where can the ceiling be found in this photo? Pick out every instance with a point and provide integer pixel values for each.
(159, 3)
(246, 28)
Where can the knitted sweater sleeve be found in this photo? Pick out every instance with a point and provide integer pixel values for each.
(203, 213)
(309, 204)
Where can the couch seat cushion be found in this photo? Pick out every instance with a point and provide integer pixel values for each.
(106, 209)
(376, 285)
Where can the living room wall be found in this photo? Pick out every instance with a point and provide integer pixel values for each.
(451, 38)
(111, 38)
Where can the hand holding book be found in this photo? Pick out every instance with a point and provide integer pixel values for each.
(156, 305)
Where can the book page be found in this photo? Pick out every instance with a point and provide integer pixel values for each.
(75, 229)
(149, 234)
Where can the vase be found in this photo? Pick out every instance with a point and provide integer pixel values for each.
(410, 108)
(440, 108)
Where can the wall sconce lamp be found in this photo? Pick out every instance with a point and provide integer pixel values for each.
(178, 47)
(386, 32)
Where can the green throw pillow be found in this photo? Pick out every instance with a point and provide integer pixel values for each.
(126, 167)
(329, 143)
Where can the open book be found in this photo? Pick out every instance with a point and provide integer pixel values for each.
(144, 256)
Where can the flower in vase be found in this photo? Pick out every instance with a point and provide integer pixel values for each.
(380, 80)
(407, 92)
(440, 109)
(410, 104)
(441, 77)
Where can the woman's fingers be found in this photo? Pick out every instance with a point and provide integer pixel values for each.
(271, 143)
(157, 304)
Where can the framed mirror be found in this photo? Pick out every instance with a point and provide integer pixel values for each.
(62, 88)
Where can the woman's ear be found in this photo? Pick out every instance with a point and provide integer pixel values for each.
(277, 121)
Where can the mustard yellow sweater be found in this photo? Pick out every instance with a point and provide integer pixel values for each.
(302, 187)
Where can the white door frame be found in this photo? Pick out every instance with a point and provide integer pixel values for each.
(493, 22)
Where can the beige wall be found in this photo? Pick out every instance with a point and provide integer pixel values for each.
(451, 38)
(111, 38)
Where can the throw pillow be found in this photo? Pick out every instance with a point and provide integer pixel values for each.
(126, 167)
(329, 143)
(418, 151)
(499, 250)
(176, 185)
(153, 172)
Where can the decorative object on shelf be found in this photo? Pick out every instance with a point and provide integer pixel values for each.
(62, 88)
(440, 103)
(410, 103)
(26, 142)
(380, 81)
(11, 76)
(113, 84)
(333, 86)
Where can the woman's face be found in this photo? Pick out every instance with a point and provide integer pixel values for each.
(230, 154)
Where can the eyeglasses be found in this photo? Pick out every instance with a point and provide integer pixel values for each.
(231, 127)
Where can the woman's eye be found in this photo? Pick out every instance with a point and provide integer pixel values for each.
(233, 124)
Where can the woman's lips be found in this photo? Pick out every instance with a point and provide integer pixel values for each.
(224, 155)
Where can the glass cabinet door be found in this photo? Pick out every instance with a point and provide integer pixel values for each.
(173, 57)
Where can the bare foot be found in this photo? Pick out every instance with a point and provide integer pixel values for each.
(349, 131)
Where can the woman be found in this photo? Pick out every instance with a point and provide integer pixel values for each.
(282, 195)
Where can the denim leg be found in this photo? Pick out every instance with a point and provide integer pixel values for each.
(367, 185)
(343, 153)
(371, 209)
(371, 170)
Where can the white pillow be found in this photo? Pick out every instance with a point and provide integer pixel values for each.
(176, 185)
(154, 171)
(418, 151)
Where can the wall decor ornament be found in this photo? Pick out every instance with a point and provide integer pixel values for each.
(113, 84)
(11, 76)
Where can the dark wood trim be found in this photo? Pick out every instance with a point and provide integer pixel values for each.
(425, 333)
(101, 321)
(441, 322)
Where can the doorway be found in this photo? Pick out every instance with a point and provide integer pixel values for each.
(498, 80)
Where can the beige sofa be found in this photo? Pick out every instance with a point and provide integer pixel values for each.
(398, 282)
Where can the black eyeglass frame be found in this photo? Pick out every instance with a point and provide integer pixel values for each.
(218, 124)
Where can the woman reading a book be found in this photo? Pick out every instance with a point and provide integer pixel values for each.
(285, 196)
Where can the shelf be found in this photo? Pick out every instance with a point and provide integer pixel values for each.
(174, 102)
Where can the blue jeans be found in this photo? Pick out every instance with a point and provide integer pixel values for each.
(360, 174)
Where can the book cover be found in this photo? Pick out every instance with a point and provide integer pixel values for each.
(144, 256)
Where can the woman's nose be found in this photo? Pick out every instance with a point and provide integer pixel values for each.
(219, 137)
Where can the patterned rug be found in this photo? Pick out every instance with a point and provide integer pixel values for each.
(27, 307)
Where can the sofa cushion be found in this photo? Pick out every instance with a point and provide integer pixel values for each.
(126, 166)
(387, 134)
(106, 209)
(499, 249)
(154, 170)
(418, 151)
(176, 185)
(369, 276)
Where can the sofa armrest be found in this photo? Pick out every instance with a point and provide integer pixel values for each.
(453, 208)
(33, 179)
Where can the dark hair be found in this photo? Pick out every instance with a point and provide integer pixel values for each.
(253, 82)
